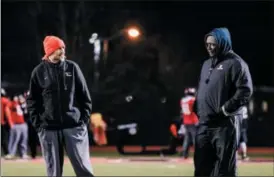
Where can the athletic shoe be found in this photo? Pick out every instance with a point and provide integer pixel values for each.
(9, 157)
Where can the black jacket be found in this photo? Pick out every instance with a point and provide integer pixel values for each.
(225, 82)
(58, 96)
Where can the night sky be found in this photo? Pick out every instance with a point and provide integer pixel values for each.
(180, 25)
(166, 59)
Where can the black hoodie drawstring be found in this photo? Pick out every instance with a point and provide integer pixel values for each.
(213, 64)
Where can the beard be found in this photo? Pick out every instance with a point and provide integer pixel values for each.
(55, 60)
(58, 58)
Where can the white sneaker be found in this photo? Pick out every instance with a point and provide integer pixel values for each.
(245, 158)
(25, 157)
(9, 157)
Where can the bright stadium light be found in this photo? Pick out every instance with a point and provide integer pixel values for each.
(133, 32)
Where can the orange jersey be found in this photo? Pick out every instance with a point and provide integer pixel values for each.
(98, 127)
(188, 115)
(16, 113)
(4, 103)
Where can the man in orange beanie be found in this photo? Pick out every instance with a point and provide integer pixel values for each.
(59, 106)
(54, 48)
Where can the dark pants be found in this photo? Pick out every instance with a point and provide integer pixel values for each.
(75, 141)
(33, 141)
(243, 136)
(172, 149)
(4, 138)
(215, 149)
(243, 130)
(188, 139)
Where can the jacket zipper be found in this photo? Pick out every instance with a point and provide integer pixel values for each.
(58, 93)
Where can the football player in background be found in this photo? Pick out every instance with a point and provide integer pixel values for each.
(18, 137)
(98, 127)
(243, 134)
(6, 121)
(177, 132)
(190, 120)
(33, 137)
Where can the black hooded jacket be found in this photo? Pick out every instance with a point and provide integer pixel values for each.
(225, 82)
(58, 96)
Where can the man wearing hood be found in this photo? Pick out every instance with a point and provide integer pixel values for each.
(59, 106)
(225, 86)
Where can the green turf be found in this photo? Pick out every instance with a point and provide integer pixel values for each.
(116, 154)
(130, 169)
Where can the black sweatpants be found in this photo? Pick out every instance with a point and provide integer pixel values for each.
(4, 138)
(189, 139)
(76, 143)
(33, 140)
(215, 148)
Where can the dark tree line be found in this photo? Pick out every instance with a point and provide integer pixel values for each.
(151, 69)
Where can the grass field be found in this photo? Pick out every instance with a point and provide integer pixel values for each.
(128, 167)
(107, 162)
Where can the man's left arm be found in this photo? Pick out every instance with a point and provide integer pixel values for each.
(241, 78)
(83, 95)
